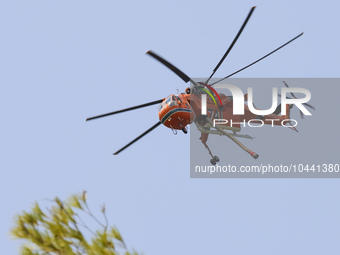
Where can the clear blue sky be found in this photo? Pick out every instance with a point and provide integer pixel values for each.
(64, 61)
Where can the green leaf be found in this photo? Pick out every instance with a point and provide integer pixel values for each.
(59, 231)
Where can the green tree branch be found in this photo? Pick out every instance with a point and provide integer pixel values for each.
(57, 231)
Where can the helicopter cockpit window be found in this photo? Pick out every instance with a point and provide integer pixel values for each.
(173, 101)
(168, 100)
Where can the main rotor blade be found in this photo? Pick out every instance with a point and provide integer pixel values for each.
(258, 59)
(127, 109)
(233, 43)
(182, 75)
(139, 137)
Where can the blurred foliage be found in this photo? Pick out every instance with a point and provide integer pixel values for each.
(60, 230)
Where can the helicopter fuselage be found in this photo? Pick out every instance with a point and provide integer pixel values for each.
(178, 111)
(175, 112)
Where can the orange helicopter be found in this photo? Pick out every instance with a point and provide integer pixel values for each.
(178, 111)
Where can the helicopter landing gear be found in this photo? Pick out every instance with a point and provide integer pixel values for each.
(214, 160)
(204, 138)
(185, 131)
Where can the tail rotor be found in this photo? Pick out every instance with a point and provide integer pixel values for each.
(302, 115)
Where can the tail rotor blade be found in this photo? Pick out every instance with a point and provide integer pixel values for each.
(182, 75)
(310, 106)
(127, 109)
(288, 87)
(139, 137)
(301, 114)
(286, 97)
(233, 43)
